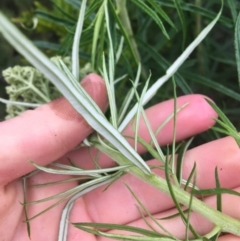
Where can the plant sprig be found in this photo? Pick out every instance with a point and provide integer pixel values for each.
(111, 141)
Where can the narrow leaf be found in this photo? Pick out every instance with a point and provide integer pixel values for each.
(213, 84)
(219, 195)
(172, 69)
(233, 7)
(182, 20)
(237, 45)
(216, 191)
(119, 227)
(174, 198)
(78, 171)
(180, 158)
(161, 12)
(76, 42)
(226, 126)
(152, 14)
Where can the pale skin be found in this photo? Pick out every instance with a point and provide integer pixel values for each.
(51, 132)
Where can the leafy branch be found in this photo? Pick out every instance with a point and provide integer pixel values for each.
(114, 144)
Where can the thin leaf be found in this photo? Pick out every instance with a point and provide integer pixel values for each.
(182, 20)
(219, 196)
(153, 136)
(227, 131)
(111, 226)
(226, 126)
(54, 19)
(111, 55)
(97, 29)
(124, 237)
(94, 172)
(152, 14)
(24, 182)
(76, 179)
(66, 194)
(74, 3)
(170, 117)
(193, 8)
(49, 208)
(164, 64)
(61, 10)
(154, 220)
(174, 124)
(161, 12)
(139, 111)
(111, 96)
(190, 205)
(233, 7)
(237, 45)
(214, 234)
(213, 85)
(129, 97)
(10, 102)
(172, 69)
(180, 158)
(76, 42)
(221, 115)
(146, 221)
(150, 149)
(174, 198)
(187, 185)
(216, 191)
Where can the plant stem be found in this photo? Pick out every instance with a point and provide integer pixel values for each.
(123, 15)
(224, 222)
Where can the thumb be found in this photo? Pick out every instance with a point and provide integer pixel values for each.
(46, 133)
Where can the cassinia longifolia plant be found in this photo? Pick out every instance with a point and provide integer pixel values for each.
(50, 78)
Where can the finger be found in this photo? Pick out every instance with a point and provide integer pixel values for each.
(195, 118)
(223, 154)
(229, 237)
(46, 225)
(190, 121)
(46, 133)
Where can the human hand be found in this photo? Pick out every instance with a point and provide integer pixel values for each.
(52, 131)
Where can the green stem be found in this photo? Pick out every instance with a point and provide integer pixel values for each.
(124, 17)
(224, 222)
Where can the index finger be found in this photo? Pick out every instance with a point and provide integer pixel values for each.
(46, 133)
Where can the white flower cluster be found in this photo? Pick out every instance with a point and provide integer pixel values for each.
(28, 85)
